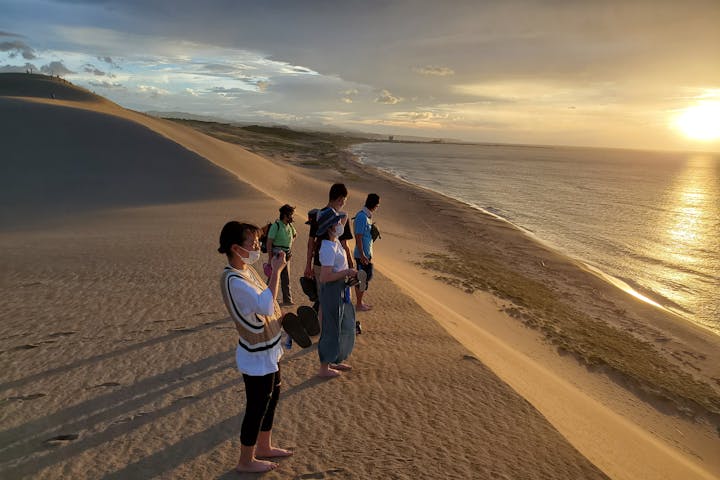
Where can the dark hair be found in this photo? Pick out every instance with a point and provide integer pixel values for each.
(286, 210)
(235, 233)
(337, 190)
(372, 201)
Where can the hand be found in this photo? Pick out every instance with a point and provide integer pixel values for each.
(278, 261)
(309, 272)
(351, 272)
(364, 260)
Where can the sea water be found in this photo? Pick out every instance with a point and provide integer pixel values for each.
(648, 219)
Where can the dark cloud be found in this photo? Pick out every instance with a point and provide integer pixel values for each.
(377, 43)
(17, 47)
(219, 68)
(89, 68)
(55, 68)
(109, 61)
(10, 34)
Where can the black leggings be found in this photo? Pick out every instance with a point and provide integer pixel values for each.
(262, 395)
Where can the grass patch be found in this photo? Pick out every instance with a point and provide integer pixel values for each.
(307, 149)
(595, 343)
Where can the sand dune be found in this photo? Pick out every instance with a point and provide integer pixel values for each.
(117, 354)
(59, 161)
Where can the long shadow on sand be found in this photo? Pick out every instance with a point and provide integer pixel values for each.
(194, 445)
(26, 444)
(104, 356)
(59, 161)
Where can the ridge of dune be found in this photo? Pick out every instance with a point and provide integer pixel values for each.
(627, 451)
(39, 86)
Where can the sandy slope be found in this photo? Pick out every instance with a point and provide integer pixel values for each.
(137, 366)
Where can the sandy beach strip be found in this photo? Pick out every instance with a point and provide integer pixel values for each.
(117, 354)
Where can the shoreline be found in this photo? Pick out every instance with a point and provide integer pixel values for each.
(617, 282)
(587, 407)
(630, 286)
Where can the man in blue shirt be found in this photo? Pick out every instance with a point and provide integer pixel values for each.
(364, 245)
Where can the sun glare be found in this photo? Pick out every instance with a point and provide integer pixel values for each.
(700, 122)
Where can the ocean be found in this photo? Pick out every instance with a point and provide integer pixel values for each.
(647, 221)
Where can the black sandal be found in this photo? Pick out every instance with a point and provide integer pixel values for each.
(294, 327)
(309, 320)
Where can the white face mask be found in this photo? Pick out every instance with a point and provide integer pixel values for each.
(253, 256)
(339, 229)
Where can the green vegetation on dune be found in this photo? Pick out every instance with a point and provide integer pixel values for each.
(595, 343)
(309, 149)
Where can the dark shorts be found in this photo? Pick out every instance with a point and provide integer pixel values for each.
(368, 269)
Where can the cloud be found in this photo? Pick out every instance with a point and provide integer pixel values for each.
(18, 68)
(55, 68)
(435, 71)
(154, 92)
(387, 98)
(262, 85)
(105, 84)
(420, 116)
(228, 92)
(9, 34)
(89, 68)
(16, 47)
(220, 68)
(346, 100)
(109, 61)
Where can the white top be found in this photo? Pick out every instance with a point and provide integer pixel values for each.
(333, 254)
(251, 298)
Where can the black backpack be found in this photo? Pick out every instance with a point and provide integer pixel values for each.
(263, 237)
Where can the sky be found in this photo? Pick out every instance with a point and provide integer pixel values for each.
(611, 73)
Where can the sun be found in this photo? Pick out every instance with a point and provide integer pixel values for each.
(700, 122)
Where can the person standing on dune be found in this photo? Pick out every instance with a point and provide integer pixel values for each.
(253, 307)
(364, 240)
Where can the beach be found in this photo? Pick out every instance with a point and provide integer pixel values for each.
(502, 359)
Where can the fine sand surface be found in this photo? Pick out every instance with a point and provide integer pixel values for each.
(117, 354)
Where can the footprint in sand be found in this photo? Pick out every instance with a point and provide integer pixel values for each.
(28, 346)
(61, 334)
(326, 474)
(106, 384)
(61, 439)
(470, 358)
(23, 398)
(184, 399)
(183, 329)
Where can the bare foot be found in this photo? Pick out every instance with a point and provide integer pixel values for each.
(272, 452)
(343, 367)
(364, 307)
(256, 466)
(327, 372)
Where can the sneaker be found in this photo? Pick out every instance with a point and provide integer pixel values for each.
(358, 328)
